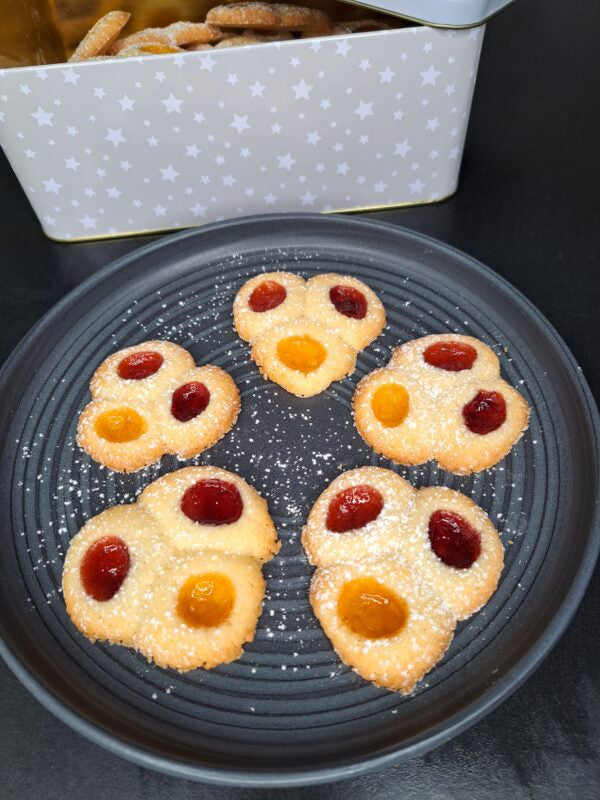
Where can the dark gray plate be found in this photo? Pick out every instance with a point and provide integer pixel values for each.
(288, 712)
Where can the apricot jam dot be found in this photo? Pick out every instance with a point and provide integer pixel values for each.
(485, 413)
(212, 502)
(370, 609)
(301, 353)
(267, 295)
(353, 508)
(451, 356)
(205, 601)
(104, 568)
(140, 365)
(189, 400)
(453, 539)
(158, 49)
(390, 404)
(349, 301)
(120, 425)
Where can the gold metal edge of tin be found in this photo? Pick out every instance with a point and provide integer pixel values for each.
(159, 231)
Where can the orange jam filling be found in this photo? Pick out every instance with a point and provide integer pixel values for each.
(370, 609)
(120, 425)
(301, 353)
(390, 404)
(158, 49)
(206, 601)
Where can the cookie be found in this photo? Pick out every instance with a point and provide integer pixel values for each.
(358, 516)
(109, 566)
(201, 611)
(101, 35)
(269, 16)
(441, 397)
(196, 410)
(383, 620)
(177, 35)
(208, 508)
(303, 357)
(267, 300)
(243, 40)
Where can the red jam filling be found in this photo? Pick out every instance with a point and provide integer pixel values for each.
(104, 567)
(485, 413)
(189, 400)
(349, 301)
(354, 508)
(451, 356)
(266, 296)
(453, 539)
(212, 502)
(140, 365)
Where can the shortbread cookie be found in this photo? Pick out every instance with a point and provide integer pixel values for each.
(242, 41)
(450, 541)
(201, 611)
(441, 397)
(303, 357)
(141, 372)
(346, 306)
(109, 566)
(151, 399)
(124, 436)
(100, 37)
(358, 516)
(267, 300)
(208, 508)
(383, 620)
(179, 34)
(197, 409)
(150, 49)
(270, 16)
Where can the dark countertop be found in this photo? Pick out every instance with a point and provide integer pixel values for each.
(529, 207)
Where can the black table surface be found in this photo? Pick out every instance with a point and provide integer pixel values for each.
(528, 206)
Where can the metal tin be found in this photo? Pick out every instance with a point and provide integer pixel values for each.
(440, 13)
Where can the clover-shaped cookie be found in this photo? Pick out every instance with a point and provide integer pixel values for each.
(176, 575)
(306, 334)
(396, 568)
(441, 397)
(152, 399)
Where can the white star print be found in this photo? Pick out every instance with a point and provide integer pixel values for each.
(160, 76)
(417, 187)
(126, 103)
(379, 187)
(114, 193)
(249, 192)
(449, 89)
(24, 89)
(257, 89)
(100, 172)
(88, 222)
(315, 46)
(198, 210)
(50, 221)
(192, 151)
(199, 117)
(41, 74)
(270, 199)
(71, 163)
(152, 141)
(313, 138)
(29, 153)
(99, 93)
(72, 130)
(427, 47)
(342, 168)
(168, 173)
(430, 76)
(325, 104)
(342, 48)
(433, 154)
(302, 90)
(240, 123)
(125, 165)
(453, 153)
(43, 117)
(137, 204)
(386, 76)
(115, 136)
(286, 161)
(71, 76)
(364, 139)
(229, 180)
(159, 211)
(432, 124)
(244, 152)
(402, 148)
(308, 199)
(276, 128)
(172, 104)
(232, 79)
(364, 110)
(52, 186)
(207, 62)
(365, 64)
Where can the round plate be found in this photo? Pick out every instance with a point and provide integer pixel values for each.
(288, 712)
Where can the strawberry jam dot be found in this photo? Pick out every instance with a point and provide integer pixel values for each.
(104, 568)
(390, 404)
(451, 356)
(301, 353)
(189, 400)
(348, 301)
(212, 502)
(120, 425)
(205, 601)
(370, 609)
(353, 508)
(485, 413)
(140, 365)
(453, 539)
(266, 296)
